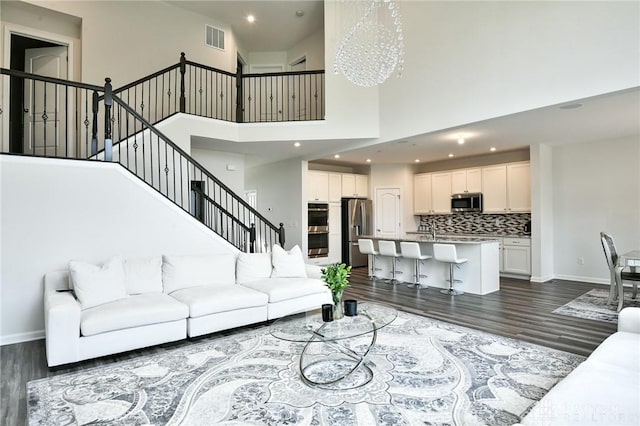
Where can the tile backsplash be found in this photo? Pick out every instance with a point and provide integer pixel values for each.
(477, 223)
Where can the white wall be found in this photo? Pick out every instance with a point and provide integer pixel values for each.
(101, 211)
(280, 190)
(596, 187)
(542, 219)
(313, 48)
(126, 40)
(395, 175)
(216, 162)
(470, 61)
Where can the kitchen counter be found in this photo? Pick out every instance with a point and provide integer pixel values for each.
(480, 274)
(464, 236)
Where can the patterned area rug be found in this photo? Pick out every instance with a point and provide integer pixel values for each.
(593, 305)
(425, 372)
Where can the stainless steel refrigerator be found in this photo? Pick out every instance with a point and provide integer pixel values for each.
(356, 221)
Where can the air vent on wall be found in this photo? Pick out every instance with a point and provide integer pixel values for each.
(214, 37)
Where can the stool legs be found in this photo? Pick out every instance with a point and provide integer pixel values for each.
(393, 279)
(451, 291)
(417, 275)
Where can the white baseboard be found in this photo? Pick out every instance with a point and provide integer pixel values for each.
(10, 339)
(585, 280)
(541, 279)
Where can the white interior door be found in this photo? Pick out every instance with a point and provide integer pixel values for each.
(388, 219)
(45, 121)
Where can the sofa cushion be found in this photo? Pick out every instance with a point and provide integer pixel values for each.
(279, 289)
(253, 267)
(288, 264)
(134, 311)
(96, 285)
(593, 394)
(180, 272)
(621, 350)
(206, 300)
(143, 275)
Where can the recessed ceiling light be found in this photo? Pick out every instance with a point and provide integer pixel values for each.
(450, 155)
(571, 106)
(297, 144)
(417, 160)
(336, 156)
(493, 148)
(251, 18)
(368, 160)
(460, 140)
(299, 13)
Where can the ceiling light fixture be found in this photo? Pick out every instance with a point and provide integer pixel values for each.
(450, 155)
(460, 140)
(336, 156)
(368, 160)
(251, 19)
(297, 144)
(371, 42)
(417, 160)
(492, 149)
(299, 13)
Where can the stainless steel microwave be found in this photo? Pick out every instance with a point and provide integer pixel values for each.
(466, 202)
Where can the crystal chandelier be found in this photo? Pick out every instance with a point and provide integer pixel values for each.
(372, 44)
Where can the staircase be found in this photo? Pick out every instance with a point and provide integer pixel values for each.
(66, 119)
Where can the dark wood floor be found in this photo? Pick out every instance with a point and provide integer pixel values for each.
(520, 309)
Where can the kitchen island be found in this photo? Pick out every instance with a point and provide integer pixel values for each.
(480, 275)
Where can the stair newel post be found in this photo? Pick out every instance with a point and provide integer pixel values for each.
(108, 103)
(183, 70)
(281, 235)
(252, 238)
(94, 127)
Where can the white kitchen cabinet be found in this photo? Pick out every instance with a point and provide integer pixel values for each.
(506, 188)
(335, 234)
(516, 256)
(335, 187)
(318, 186)
(441, 192)
(355, 185)
(422, 194)
(466, 180)
(519, 187)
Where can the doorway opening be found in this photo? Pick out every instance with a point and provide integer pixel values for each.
(36, 56)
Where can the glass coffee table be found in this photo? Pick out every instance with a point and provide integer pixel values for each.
(327, 361)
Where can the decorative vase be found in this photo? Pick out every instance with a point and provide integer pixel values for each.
(338, 311)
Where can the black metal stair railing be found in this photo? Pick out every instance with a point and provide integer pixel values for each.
(205, 91)
(64, 119)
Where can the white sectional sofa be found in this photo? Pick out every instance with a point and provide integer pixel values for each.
(125, 304)
(604, 389)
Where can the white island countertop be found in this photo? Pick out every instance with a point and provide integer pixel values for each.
(480, 274)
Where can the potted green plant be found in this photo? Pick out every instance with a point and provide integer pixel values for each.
(336, 277)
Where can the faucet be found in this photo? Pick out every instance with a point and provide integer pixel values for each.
(433, 229)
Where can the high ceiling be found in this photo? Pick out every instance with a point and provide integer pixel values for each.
(276, 26)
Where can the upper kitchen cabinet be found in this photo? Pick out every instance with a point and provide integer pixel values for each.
(506, 188)
(432, 193)
(355, 185)
(422, 194)
(318, 186)
(466, 180)
(335, 187)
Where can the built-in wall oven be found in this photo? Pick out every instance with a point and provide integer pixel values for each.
(318, 231)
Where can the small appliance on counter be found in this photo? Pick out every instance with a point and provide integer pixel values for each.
(466, 202)
(527, 228)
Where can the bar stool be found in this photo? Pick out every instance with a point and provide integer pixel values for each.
(411, 250)
(388, 248)
(446, 253)
(366, 247)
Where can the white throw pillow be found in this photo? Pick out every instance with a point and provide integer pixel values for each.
(180, 272)
(94, 285)
(288, 264)
(253, 267)
(143, 275)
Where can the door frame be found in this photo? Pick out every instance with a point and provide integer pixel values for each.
(375, 208)
(9, 30)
